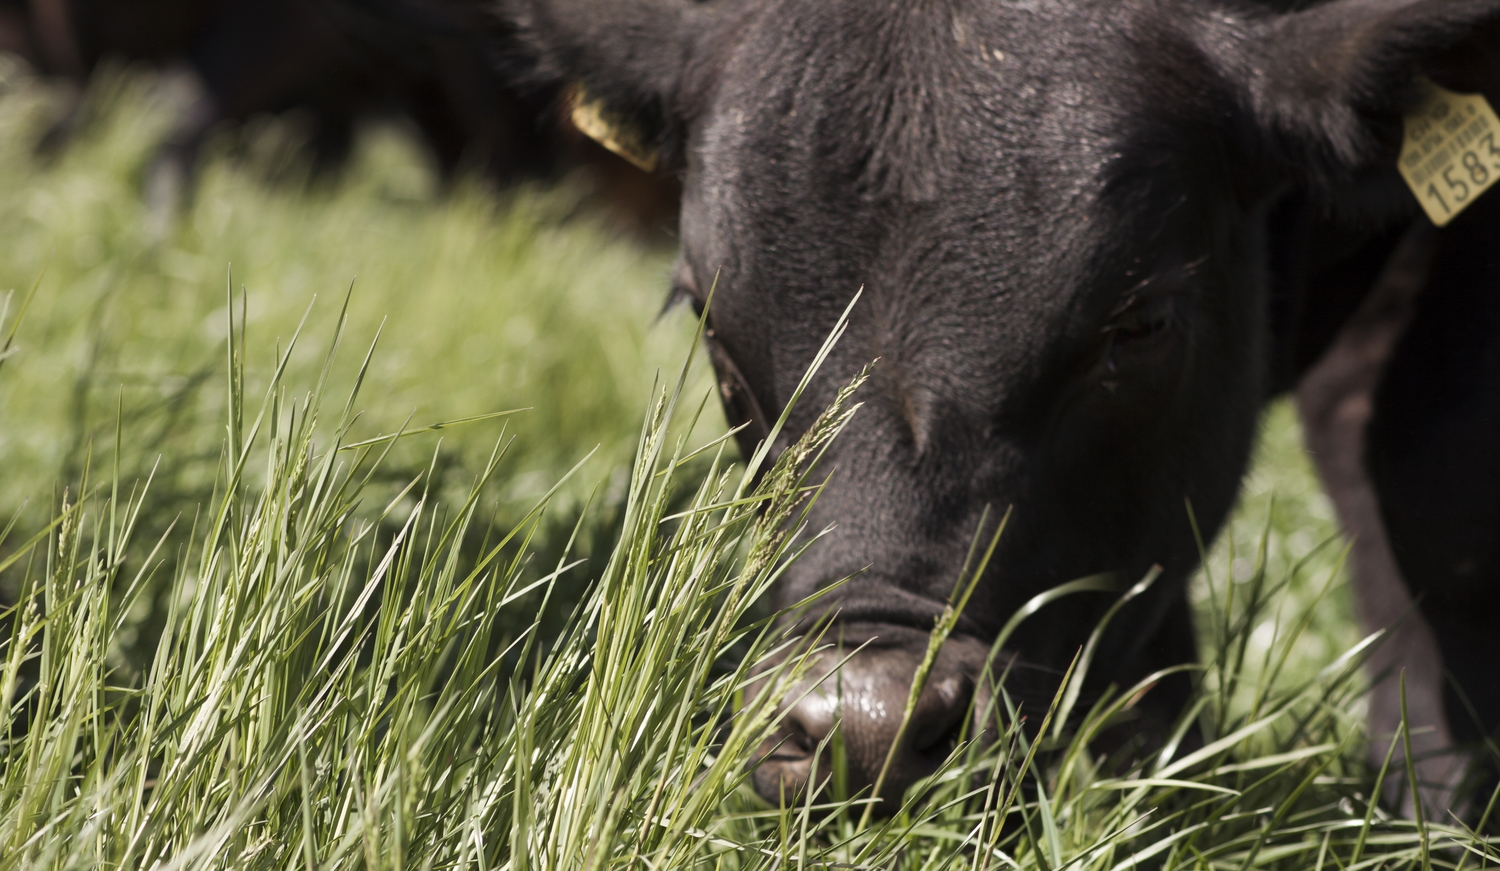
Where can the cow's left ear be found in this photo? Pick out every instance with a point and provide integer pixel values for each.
(1325, 88)
(638, 69)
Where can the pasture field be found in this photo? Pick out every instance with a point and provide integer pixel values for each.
(481, 305)
(296, 648)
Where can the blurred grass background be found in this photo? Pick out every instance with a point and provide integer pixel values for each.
(490, 301)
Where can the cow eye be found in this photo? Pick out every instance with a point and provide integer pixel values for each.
(1141, 320)
(684, 288)
(683, 294)
(740, 404)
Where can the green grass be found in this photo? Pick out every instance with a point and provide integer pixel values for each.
(288, 650)
(488, 303)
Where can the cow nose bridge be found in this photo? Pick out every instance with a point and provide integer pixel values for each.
(859, 708)
(932, 412)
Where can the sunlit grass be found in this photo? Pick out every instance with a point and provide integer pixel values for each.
(491, 301)
(498, 302)
(324, 695)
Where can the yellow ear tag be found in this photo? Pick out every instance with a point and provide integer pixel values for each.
(588, 117)
(1451, 154)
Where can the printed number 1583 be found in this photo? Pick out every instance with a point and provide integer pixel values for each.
(1473, 174)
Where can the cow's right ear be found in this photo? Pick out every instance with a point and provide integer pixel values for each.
(639, 68)
(1325, 88)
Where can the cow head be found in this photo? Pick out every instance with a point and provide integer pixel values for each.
(1058, 212)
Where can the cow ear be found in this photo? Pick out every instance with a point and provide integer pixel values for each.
(637, 68)
(1326, 87)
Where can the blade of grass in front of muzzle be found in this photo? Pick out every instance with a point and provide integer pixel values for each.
(1105, 711)
(987, 812)
(963, 589)
(1087, 657)
(1103, 582)
(1100, 583)
(763, 450)
(768, 565)
(627, 705)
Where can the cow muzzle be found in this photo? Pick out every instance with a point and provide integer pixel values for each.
(858, 708)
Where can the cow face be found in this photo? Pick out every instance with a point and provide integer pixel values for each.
(1057, 212)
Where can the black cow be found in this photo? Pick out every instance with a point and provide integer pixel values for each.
(335, 64)
(1094, 237)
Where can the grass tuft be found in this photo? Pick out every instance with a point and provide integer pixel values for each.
(326, 696)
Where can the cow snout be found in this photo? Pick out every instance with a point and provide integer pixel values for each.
(865, 700)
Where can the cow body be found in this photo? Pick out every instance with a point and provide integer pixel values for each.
(333, 64)
(280, 55)
(1093, 237)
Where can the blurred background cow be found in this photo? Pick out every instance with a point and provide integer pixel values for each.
(334, 67)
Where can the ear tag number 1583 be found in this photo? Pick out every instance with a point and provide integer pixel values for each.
(1451, 153)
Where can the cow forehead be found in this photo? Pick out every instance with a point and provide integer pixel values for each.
(943, 148)
(1007, 119)
(892, 96)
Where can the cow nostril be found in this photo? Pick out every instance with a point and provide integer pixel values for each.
(795, 745)
(805, 727)
(936, 731)
(939, 744)
(803, 743)
(791, 752)
(938, 723)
